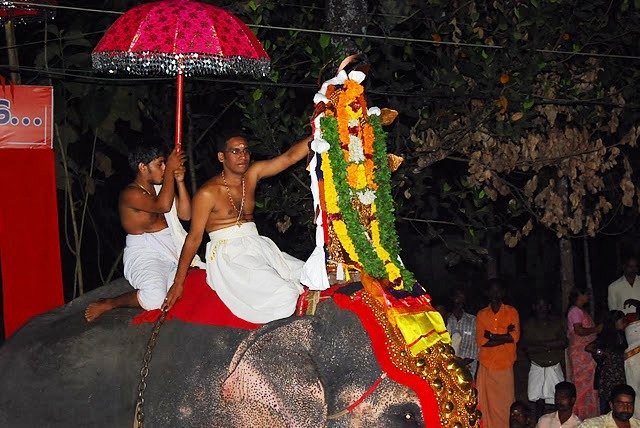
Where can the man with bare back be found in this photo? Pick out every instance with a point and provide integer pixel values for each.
(258, 282)
(152, 248)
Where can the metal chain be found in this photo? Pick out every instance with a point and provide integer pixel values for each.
(144, 371)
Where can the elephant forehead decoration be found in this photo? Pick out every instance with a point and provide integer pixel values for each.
(351, 184)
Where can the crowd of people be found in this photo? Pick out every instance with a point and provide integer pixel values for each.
(588, 372)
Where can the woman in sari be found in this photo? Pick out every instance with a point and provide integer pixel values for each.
(581, 331)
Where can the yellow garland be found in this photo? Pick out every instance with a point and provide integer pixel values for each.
(392, 269)
(331, 201)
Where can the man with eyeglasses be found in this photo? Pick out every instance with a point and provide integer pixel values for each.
(621, 414)
(258, 282)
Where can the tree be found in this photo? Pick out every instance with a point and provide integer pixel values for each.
(552, 134)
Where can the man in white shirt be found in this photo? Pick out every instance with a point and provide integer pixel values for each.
(621, 414)
(565, 398)
(626, 287)
(462, 328)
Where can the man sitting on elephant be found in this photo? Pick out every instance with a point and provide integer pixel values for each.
(153, 244)
(258, 282)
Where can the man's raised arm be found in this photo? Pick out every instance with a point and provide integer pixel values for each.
(203, 203)
(183, 201)
(164, 200)
(271, 167)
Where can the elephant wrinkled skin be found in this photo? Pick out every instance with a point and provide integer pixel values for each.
(59, 371)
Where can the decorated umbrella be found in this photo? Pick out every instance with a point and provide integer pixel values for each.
(178, 38)
(14, 12)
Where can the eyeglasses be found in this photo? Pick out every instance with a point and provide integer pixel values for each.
(238, 151)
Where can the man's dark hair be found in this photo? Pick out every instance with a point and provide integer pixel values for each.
(497, 281)
(628, 257)
(144, 153)
(221, 141)
(567, 387)
(622, 389)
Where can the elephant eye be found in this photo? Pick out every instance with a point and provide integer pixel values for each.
(404, 415)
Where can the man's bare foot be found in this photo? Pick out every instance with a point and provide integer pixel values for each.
(94, 310)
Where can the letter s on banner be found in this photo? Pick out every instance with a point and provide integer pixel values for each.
(26, 117)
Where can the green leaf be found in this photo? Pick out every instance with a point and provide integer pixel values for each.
(324, 40)
(252, 5)
(527, 104)
(257, 94)
(446, 188)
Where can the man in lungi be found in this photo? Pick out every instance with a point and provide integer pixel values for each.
(149, 214)
(544, 339)
(258, 282)
(497, 332)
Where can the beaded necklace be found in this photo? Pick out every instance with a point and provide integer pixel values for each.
(233, 204)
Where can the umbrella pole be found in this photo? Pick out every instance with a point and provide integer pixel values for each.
(179, 94)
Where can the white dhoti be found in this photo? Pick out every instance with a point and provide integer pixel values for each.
(632, 361)
(150, 263)
(543, 381)
(258, 282)
(151, 260)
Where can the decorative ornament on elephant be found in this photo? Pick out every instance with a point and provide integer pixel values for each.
(355, 237)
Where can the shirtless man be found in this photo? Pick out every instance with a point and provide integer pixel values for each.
(257, 281)
(150, 256)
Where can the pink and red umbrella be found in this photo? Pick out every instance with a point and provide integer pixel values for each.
(178, 38)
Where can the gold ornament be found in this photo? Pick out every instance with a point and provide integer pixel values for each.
(394, 161)
(387, 116)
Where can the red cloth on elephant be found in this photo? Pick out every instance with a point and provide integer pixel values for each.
(199, 304)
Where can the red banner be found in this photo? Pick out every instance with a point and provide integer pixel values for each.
(29, 243)
(26, 117)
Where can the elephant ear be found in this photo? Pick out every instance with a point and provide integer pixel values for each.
(273, 374)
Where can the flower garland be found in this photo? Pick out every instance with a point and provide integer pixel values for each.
(354, 231)
(357, 179)
(331, 198)
(384, 201)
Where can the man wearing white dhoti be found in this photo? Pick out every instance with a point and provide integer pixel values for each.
(149, 214)
(257, 281)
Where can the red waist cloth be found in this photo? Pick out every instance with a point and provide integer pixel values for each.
(199, 304)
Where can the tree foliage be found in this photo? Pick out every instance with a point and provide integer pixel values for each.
(550, 132)
(498, 133)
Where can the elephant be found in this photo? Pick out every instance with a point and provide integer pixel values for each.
(60, 371)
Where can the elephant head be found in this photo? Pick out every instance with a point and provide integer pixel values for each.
(307, 372)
